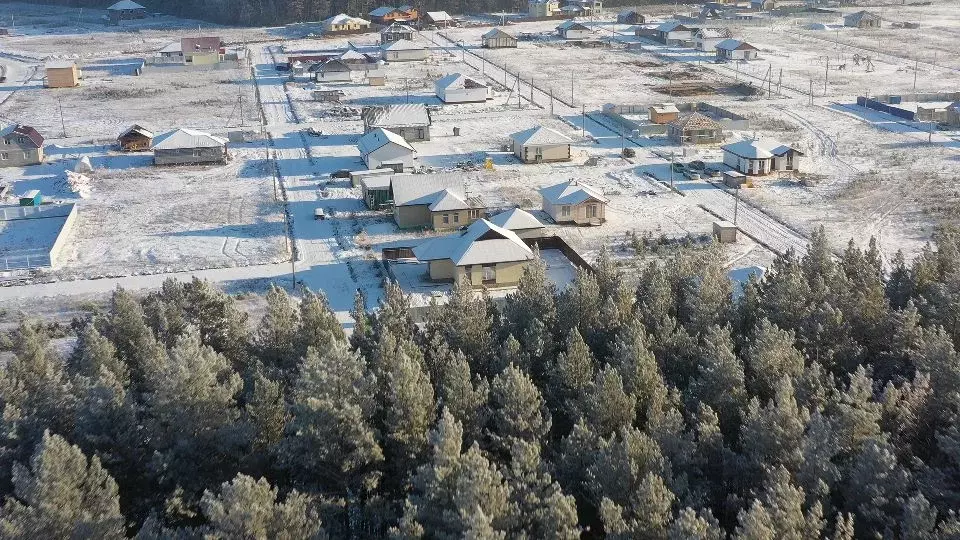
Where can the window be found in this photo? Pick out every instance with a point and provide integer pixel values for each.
(446, 218)
(456, 217)
(420, 133)
(565, 211)
(4, 155)
(197, 152)
(591, 211)
(489, 273)
(474, 213)
(21, 139)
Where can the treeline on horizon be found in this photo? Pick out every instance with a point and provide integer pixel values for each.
(271, 12)
(823, 403)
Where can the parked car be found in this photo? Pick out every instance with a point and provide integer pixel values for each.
(314, 132)
(697, 165)
(319, 214)
(283, 67)
(679, 167)
(342, 173)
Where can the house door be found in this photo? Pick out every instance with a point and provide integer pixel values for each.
(591, 211)
(539, 155)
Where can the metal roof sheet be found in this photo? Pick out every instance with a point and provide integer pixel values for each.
(425, 189)
(496, 32)
(439, 16)
(540, 135)
(27, 131)
(403, 45)
(125, 4)
(482, 243)
(379, 138)
(187, 138)
(516, 219)
(758, 148)
(136, 128)
(403, 115)
(734, 45)
(458, 80)
(448, 200)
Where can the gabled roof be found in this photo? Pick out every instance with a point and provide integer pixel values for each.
(516, 219)
(379, 138)
(458, 80)
(391, 116)
(571, 192)
(572, 25)
(482, 243)
(425, 189)
(331, 65)
(60, 64)
(758, 148)
(496, 32)
(439, 16)
(354, 54)
(403, 45)
(382, 11)
(172, 48)
(398, 27)
(861, 15)
(671, 26)
(735, 45)
(343, 18)
(200, 44)
(125, 4)
(405, 7)
(448, 200)
(187, 138)
(25, 131)
(665, 108)
(695, 120)
(137, 129)
(540, 135)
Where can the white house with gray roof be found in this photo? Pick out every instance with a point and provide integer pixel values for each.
(459, 88)
(404, 51)
(541, 145)
(521, 222)
(574, 202)
(484, 255)
(385, 149)
(761, 156)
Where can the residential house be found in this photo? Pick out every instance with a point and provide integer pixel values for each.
(673, 33)
(761, 156)
(407, 13)
(458, 88)
(706, 39)
(409, 120)
(539, 9)
(573, 30)
(359, 61)
(734, 49)
(541, 145)
(396, 32)
(630, 16)
(385, 149)
(584, 7)
(135, 138)
(439, 19)
(762, 5)
(521, 222)
(404, 51)
(189, 147)
(862, 19)
(484, 255)
(387, 15)
(126, 10)
(953, 115)
(572, 10)
(498, 39)
(20, 145)
(343, 24)
(436, 201)
(663, 113)
(202, 50)
(695, 128)
(573, 202)
(62, 74)
(332, 70)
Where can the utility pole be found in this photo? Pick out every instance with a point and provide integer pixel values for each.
(826, 76)
(736, 204)
(63, 126)
(551, 101)
(583, 120)
(671, 169)
(519, 93)
(531, 91)
(916, 68)
(811, 90)
(571, 89)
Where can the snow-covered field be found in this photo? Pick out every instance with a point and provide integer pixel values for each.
(875, 176)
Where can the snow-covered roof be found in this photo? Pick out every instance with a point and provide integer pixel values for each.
(665, 108)
(482, 243)
(713, 33)
(571, 25)
(448, 200)
(379, 138)
(758, 148)
(734, 45)
(27, 131)
(125, 4)
(439, 16)
(516, 219)
(398, 27)
(403, 45)
(353, 54)
(571, 192)
(402, 115)
(540, 136)
(695, 121)
(496, 32)
(457, 80)
(670, 26)
(172, 48)
(860, 16)
(343, 18)
(187, 138)
(426, 189)
(60, 64)
(138, 129)
(572, 9)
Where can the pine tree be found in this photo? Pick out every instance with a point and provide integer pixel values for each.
(361, 337)
(531, 312)
(648, 514)
(772, 434)
(278, 334)
(221, 322)
(408, 411)
(769, 357)
(248, 508)
(856, 415)
(572, 374)
(319, 327)
(719, 381)
(689, 525)
(393, 315)
(518, 411)
(638, 367)
(543, 510)
(755, 523)
(605, 406)
(621, 465)
(61, 494)
(875, 486)
(93, 352)
(466, 326)
(919, 519)
(266, 414)
(466, 400)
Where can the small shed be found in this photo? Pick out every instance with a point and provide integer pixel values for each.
(135, 138)
(630, 16)
(439, 19)
(573, 30)
(62, 74)
(498, 39)
(725, 232)
(376, 191)
(126, 10)
(31, 198)
(695, 128)
(663, 113)
(734, 179)
(862, 19)
(409, 120)
(356, 177)
(332, 70)
(573, 202)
